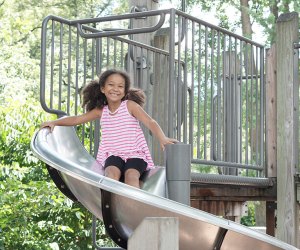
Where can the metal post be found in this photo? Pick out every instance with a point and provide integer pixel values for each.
(178, 171)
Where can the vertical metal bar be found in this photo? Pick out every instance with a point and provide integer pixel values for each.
(235, 105)
(52, 63)
(212, 139)
(224, 102)
(122, 55)
(219, 96)
(128, 57)
(98, 58)
(115, 53)
(93, 58)
(178, 82)
(107, 52)
(247, 104)
(199, 96)
(172, 77)
(262, 108)
(94, 70)
(77, 73)
(60, 66)
(43, 62)
(205, 94)
(137, 84)
(148, 78)
(241, 101)
(141, 71)
(184, 99)
(257, 103)
(251, 104)
(84, 80)
(192, 92)
(69, 70)
(100, 54)
(230, 105)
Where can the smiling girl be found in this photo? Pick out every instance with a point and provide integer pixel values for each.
(123, 150)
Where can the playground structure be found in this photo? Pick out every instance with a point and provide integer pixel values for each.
(211, 94)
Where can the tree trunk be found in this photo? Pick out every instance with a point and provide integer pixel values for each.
(245, 18)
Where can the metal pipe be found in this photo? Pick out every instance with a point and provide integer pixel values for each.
(121, 31)
(178, 172)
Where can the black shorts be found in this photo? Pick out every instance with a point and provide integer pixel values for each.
(135, 163)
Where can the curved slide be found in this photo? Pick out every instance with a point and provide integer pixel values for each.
(123, 208)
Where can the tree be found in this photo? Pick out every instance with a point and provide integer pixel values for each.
(34, 214)
(256, 13)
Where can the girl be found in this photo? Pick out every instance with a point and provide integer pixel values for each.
(123, 150)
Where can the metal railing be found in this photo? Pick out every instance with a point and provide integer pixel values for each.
(205, 87)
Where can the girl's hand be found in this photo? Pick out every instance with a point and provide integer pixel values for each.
(50, 125)
(167, 140)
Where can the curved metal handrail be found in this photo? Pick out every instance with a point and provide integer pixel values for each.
(123, 31)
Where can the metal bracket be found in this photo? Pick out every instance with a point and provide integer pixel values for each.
(141, 62)
(139, 9)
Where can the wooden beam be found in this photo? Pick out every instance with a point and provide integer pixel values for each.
(271, 113)
(287, 33)
(212, 192)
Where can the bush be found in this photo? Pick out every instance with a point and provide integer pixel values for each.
(34, 214)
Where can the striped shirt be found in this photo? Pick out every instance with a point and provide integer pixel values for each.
(121, 135)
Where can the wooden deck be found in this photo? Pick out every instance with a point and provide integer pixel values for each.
(227, 200)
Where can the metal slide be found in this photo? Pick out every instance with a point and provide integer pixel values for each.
(122, 208)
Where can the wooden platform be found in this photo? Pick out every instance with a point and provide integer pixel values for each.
(227, 200)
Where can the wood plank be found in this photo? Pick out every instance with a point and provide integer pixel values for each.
(212, 192)
(287, 33)
(271, 113)
(155, 233)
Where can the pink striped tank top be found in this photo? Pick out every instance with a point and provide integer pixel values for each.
(122, 136)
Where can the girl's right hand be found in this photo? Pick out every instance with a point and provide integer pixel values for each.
(50, 125)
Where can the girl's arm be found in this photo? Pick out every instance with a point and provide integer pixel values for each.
(74, 120)
(139, 113)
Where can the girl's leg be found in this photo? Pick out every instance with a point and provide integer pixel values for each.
(113, 166)
(132, 177)
(113, 172)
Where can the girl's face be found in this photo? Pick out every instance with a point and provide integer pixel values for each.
(114, 88)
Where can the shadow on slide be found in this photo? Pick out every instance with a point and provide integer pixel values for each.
(123, 208)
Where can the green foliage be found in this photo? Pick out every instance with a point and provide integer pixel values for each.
(34, 214)
(263, 14)
(249, 220)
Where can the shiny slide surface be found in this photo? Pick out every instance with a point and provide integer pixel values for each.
(122, 208)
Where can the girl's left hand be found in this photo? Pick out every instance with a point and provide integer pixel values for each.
(167, 140)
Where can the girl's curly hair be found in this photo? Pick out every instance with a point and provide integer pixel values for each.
(92, 97)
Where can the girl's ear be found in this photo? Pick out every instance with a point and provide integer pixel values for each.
(102, 90)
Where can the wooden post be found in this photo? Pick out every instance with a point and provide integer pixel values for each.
(144, 72)
(158, 233)
(232, 112)
(270, 218)
(271, 113)
(287, 33)
(160, 89)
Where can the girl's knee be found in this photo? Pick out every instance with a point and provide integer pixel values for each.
(132, 177)
(113, 172)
